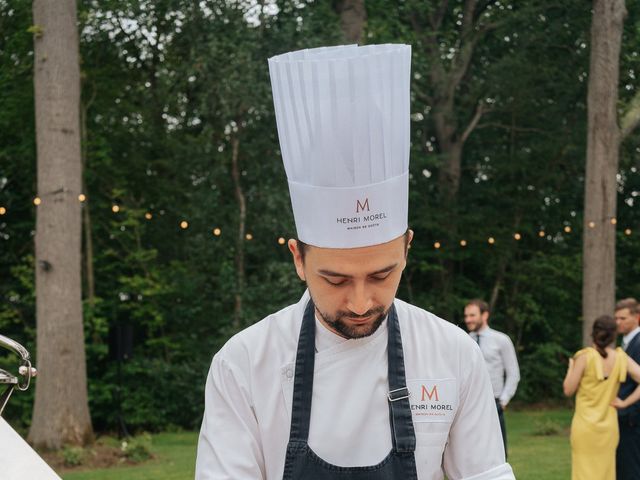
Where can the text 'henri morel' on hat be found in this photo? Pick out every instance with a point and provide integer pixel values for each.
(343, 123)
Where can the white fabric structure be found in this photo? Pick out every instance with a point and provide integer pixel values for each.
(343, 123)
(18, 460)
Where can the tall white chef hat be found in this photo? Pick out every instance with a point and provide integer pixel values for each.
(343, 123)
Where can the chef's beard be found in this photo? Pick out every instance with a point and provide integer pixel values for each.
(338, 324)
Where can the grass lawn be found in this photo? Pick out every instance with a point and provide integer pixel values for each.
(538, 449)
(533, 455)
(175, 460)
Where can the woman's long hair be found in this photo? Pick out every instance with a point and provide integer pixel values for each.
(604, 333)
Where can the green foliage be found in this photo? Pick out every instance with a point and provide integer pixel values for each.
(170, 85)
(546, 427)
(542, 371)
(72, 456)
(137, 449)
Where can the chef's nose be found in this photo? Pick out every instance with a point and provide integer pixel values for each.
(360, 299)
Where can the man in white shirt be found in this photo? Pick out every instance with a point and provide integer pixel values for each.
(627, 315)
(350, 383)
(499, 356)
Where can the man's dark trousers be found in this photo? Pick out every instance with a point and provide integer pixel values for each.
(628, 453)
(503, 428)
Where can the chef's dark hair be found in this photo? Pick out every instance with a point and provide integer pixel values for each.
(302, 247)
(603, 333)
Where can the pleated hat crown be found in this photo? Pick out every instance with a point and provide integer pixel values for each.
(343, 123)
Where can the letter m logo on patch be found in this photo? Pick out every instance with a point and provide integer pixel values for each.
(430, 394)
(360, 207)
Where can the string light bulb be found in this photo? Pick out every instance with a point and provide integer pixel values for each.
(614, 220)
(541, 234)
(217, 232)
(491, 240)
(592, 224)
(82, 197)
(148, 216)
(184, 224)
(37, 201)
(115, 208)
(437, 245)
(248, 236)
(567, 229)
(3, 210)
(463, 243)
(517, 236)
(627, 231)
(281, 241)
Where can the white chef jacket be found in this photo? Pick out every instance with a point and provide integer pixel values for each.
(249, 389)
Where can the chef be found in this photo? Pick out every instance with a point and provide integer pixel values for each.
(350, 382)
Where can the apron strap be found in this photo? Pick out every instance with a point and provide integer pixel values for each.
(402, 432)
(303, 382)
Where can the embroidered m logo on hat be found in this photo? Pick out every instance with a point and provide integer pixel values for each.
(343, 123)
(360, 207)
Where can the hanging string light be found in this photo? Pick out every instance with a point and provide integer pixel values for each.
(463, 243)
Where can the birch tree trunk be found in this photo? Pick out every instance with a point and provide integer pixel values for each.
(603, 142)
(61, 410)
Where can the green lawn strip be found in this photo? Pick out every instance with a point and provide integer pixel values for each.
(175, 460)
(532, 455)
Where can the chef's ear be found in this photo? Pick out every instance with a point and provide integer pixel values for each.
(297, 252)
(408, 236)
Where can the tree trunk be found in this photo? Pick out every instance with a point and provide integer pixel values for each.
(86, 214)
(353, 16)
(603, 142)
(242, 215)
(61, 410)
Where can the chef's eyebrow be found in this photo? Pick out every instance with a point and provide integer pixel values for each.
(331, 273)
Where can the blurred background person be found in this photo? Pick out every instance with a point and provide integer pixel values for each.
(499, 356)
(628, 452)
(596, 373)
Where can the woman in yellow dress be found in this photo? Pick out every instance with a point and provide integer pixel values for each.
(596, 373)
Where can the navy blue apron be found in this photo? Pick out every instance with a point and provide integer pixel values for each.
(302, 463)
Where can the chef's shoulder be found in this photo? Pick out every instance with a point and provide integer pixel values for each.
(433, 337)
(272, 340)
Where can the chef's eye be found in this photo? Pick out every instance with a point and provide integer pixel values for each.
(335, 283)
(380, 278)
